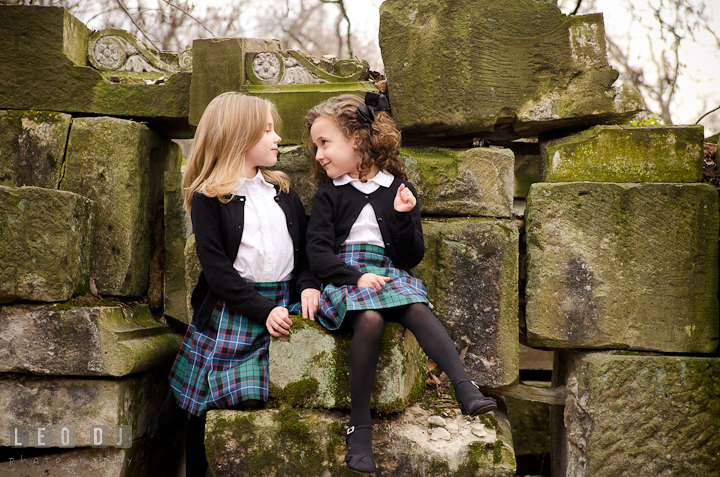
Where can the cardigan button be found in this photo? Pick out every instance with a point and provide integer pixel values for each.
(290, 224)
(387, 244)
(367, 196)
(379, 219)
(277, 199)
(297, 250)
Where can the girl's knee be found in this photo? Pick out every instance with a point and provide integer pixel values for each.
(368, 320)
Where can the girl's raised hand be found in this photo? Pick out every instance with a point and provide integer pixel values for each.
(310, 298)
(370, 280)
(404, 199)
(278, 322)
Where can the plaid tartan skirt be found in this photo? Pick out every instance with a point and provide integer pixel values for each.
(402, 289)
(227, 362)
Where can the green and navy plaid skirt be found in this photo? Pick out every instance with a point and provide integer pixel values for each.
(402, 289)
(227, 362)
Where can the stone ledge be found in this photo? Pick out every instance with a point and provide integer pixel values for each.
(308, 442)
(83, 341)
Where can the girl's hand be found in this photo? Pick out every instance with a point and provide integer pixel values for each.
(278, 322)
(370, 280)
(404, 199)
(310, 298)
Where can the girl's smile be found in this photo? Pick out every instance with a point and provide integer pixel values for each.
(336, 153)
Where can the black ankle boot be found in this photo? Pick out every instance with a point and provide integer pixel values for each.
(360, 457)
(472, 401)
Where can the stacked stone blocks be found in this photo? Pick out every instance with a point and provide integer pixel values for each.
(622, 255)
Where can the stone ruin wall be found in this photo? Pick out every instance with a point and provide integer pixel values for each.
(613, 248)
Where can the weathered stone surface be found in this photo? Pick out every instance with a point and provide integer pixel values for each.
(139, 459)
(192, 271)
(45, 244)
(83, 403)
(44, 66)
(99, 340)
(177, 229)
(535, 359)
(119, 164)
(294, 161)
(632, 414)
(623, 266)
(482, 69)
(309, 442)
(470, 182)
(32, 148)
(218, 67)
(527, 173)
(627, 154)
(530, 422)
(310, 368)
(471, 269)
(294, 101)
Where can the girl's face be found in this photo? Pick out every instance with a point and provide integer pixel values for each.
(336, 153)
(264, 152)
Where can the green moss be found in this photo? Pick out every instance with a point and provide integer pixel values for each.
(297, 394)
(290, 424)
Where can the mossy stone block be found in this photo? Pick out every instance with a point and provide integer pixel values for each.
(295, 162)
(627, 154)
(530, 423)
(192, 272)
(294, 101)
(622, 266)
(81, 402)
(475, 182)
(177, 230)
(44, 66)
(102, 340)
(471, 270)
(497, 69)
(45, 244)
(637, 414)
(32, 148)
(311, 442)
(219, 67)
(119, 164)
(309, 368)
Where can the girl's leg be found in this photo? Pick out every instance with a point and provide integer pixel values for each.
(436, 343)
(368, 327)
(196, 463)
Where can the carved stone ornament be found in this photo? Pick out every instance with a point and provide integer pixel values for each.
(118, 50)
(287, 67)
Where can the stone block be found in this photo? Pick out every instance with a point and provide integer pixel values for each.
(177, 230)
(466, 182)
(471, 270)
(138, 460)
(311, 442)
(44, 66)
(45, 244)
(32, 148)
(637, 414)
(622, 266)
(218, 67)
(481, 69)
(101, 340)
(530, 422)
(310, 368)
(527, 173)
(192, 271)
(626, 154)
(27, 400)
(294, 161)
(118, 164)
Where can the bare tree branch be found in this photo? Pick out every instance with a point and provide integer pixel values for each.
(124, 9)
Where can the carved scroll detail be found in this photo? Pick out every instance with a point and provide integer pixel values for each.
(288, 67)
(117, 50)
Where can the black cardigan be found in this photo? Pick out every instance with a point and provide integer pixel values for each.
(336, 208)
(218, 230)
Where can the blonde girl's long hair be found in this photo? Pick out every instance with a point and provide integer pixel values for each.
(378, 144)
(231, 124)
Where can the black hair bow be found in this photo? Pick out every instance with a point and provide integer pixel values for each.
(373, 102)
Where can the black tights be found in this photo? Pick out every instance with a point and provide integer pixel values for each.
(368, 327)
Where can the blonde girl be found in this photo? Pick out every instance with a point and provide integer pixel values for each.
(364, 236)
(249, 228)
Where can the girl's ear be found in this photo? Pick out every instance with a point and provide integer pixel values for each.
(356, 140)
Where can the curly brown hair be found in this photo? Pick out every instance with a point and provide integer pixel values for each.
(378, 144)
